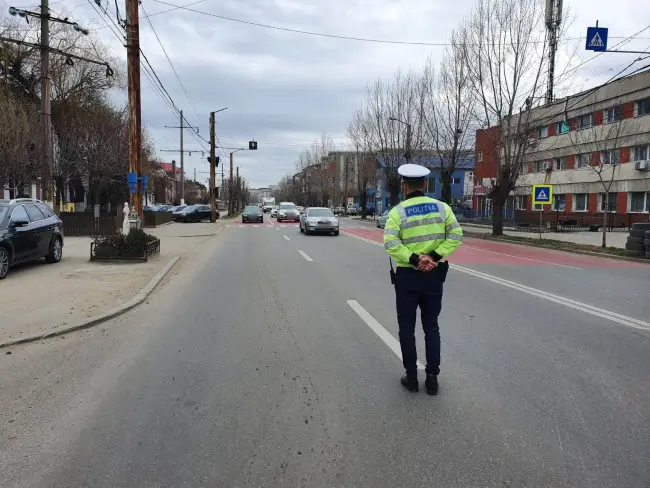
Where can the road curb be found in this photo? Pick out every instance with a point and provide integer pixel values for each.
(487, 237)
(142, 295)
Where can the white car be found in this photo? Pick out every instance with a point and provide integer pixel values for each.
(274, 211)
(319, 219)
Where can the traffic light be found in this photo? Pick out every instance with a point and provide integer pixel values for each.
(252, 145)
(216, 160)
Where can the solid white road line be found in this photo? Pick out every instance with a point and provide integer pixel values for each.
(255, 225)
(378, 329)
(304, 255)
(568, 302)
(519, 257)
(286, 237)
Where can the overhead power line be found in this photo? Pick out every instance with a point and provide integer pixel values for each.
(328, 35)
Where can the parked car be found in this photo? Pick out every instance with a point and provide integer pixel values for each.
(381, 220)
(252, 213)
(176, 208)
(29, 230)
(194, 213)
(288, 211)
(176, 213)
(319, 219)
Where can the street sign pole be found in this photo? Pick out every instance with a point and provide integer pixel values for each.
(542, 195)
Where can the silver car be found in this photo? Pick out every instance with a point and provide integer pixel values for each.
(319, 219)
(381, 220)
(288, 211)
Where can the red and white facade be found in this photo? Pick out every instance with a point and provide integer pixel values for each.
(600, 133)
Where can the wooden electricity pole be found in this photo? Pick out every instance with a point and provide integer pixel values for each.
(135, 111)
(213, 185)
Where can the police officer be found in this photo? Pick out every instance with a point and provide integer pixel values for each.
(419, 235)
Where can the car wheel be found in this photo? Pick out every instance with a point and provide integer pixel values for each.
(56, 251)
(4, 263)
(336, 233)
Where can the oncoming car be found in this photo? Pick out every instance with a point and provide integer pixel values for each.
(252, 213)
(288, 211)
(319, 219)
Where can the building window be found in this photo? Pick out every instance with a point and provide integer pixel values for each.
(523, 168)
(613, 156)
(455, 181)
(641, 153)
(562, 127)
(639, 201)
(580, 202)
(559, 203)
(585, 121)
(611, 202)
(479, 156)
(559, 164)
(521, 202)
(613, 114)
(583, 160)
(643, 107)
(542, 132)
(432, 185)
(540, 166)
(537, 207)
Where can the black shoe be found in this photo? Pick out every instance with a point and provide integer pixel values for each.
(432, 384)
(410, 383)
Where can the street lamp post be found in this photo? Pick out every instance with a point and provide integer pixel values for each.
(407, 154)
(213, 167)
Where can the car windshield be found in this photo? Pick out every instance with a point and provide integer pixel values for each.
(252, 210)
(179, 208)
(188, 209)
(320, 212)
(288, 207)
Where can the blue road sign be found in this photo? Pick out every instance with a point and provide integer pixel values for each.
(542, 194)
(596, 39)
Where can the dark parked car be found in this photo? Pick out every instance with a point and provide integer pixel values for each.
(194, 213)
(29, 230)
(252, 213)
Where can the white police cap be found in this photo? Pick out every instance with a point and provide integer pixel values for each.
(413, 172)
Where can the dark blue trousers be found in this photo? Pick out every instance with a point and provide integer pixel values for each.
(415, 289)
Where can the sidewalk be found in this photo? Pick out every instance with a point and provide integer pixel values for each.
(43, 296)
(614, 239)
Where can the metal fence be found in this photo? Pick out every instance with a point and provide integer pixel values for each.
(85, 223)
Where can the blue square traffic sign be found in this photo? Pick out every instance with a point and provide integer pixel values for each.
(596, 39)
(542, 194)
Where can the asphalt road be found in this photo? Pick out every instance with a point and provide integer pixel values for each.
(261, 363)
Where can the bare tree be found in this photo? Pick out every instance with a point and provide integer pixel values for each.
(599, 149)
(320, 171)
(506, 68)
(20, 156)
(365, 160)
(449, 113)
(395, 129)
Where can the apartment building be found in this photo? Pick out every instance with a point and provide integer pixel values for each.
(591, 143)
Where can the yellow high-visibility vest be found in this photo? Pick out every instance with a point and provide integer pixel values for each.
(421, 225)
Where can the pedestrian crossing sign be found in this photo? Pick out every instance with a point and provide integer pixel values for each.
(542, 194)
(596, 39)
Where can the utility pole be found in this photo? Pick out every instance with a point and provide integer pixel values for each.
(182, 127)
(231, 207)
(213, 198)
(238, 190)
(135, 124)
(553, 22)
(46, 114)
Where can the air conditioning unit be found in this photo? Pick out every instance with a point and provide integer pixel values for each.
(641, 165)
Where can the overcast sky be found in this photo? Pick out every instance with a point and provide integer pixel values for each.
(282, 88)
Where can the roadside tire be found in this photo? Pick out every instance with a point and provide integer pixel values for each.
(637, 233)
(634, 254)
(4, 263)
(634, 247)
(635, 240)
(56, 251)
(641, 226)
